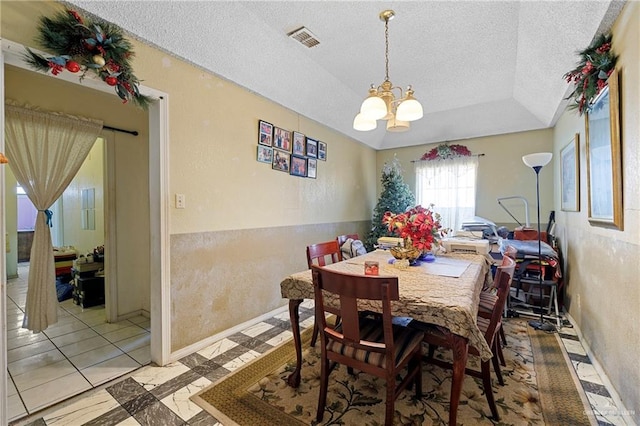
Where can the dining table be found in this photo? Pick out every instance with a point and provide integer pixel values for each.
(444, 292)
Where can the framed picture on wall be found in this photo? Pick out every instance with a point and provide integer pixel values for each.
(281, 160)
(265, 133)
(322, 151)
(299, 145)
(265, 154)
(570, 175)
(312, 148)
(312, 167)
(299, 166)
(282, 139)
(604, 165)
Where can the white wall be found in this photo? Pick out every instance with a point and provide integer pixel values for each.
(90, 176)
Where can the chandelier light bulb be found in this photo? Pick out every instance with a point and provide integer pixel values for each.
(363, 124)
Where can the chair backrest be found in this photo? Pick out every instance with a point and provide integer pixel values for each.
(343, 238)
(317, 253)
(502, 281)
(347, 289)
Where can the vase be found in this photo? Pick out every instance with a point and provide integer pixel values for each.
(408, 252)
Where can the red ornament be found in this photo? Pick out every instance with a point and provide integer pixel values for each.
(75, 15)
(72, 66)
(111, 81)
(55, 68)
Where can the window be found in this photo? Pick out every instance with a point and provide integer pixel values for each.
(450, 185)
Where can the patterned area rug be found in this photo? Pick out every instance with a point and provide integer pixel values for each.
(539, 390)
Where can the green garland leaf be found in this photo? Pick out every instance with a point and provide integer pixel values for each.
(70, 37)
(591, 73)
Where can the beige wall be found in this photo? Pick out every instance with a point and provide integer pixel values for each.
(90, 176)
(241, 218)
(602, 291)
(501, 173)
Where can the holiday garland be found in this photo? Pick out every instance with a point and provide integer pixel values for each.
(444, 151)
(591, 73)
(83, 45)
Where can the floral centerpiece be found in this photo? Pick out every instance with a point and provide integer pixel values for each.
(419, 227)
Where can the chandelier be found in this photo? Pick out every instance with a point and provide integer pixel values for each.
(381, 104)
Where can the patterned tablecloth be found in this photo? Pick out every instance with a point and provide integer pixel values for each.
(445, 293)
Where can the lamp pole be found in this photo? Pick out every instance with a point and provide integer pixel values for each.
(536, 162)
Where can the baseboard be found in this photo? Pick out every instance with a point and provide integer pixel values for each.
(621, 409)
(181, 353)
(140, 312)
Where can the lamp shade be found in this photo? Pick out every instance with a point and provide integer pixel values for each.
(395, 125)
(409, 110)
(363, 124)
(539, 159)
(373, 108)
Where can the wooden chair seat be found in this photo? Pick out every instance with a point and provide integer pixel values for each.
(405, 341)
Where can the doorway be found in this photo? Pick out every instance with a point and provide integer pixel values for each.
(158, 268)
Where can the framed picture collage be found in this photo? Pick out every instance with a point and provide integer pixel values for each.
(289, 151)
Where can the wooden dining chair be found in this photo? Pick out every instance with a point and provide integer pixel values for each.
(367, 344)
(489, 297)
(322, 254)
(434, 337)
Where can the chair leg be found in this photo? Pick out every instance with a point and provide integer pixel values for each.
(499, 352)
(314, 336)
(503, 337)
(496, 365)
(418, 366)
(391, 398)
(488, 390)
(432, 350)
(324, 384)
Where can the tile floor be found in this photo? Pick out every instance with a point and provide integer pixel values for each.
(160, 395)
(78, 353)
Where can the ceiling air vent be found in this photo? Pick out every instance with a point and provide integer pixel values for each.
(304, 36)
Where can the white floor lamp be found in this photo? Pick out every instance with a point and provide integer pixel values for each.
(537, 161)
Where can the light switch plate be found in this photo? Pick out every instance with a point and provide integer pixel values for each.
(180, 201)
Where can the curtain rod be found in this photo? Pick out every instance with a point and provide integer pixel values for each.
(472, 155)
(115, 129)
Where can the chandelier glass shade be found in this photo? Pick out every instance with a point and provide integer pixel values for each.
(382, 104)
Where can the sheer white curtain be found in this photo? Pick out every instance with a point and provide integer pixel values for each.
(45, 151)
(449, 184)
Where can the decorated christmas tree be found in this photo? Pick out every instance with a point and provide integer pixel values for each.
(396, 197)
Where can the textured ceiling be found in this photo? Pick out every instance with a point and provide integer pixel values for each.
(478, 67)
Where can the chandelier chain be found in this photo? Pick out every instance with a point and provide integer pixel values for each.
(386, 49)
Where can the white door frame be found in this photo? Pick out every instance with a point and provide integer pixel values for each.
(159, 272)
